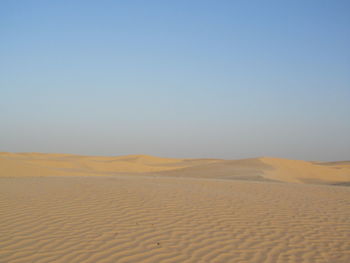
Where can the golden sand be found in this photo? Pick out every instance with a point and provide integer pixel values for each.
(68, 208)
(39, 164)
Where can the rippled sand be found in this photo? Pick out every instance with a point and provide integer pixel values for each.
(137, 208)
(171, 219)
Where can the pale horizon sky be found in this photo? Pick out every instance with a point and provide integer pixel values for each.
(221, 79)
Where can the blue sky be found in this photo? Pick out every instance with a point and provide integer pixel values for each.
(228, 79)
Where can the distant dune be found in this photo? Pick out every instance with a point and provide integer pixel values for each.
(257, 169)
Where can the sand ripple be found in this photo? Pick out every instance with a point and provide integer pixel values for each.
(153, 219)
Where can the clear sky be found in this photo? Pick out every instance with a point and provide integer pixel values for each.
(227, 79)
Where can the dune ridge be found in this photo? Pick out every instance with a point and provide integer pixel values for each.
(258, 169)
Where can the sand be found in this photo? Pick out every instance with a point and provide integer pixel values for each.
(69, 208)
(257, 169)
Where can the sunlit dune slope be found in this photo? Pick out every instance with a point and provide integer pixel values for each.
(261, 169)
(306, 172)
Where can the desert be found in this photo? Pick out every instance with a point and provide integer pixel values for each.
(138, 208)
(175, 131)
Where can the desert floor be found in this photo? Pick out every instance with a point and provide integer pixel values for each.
(155, 218)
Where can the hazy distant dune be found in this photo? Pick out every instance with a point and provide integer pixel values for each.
(266, 168)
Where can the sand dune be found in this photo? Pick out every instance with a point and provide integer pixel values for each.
(163, 219)
(38, 164)
(137, 208)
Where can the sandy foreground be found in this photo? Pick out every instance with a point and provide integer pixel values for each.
(68, 208)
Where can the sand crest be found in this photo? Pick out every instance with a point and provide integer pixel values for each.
(258, 169)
